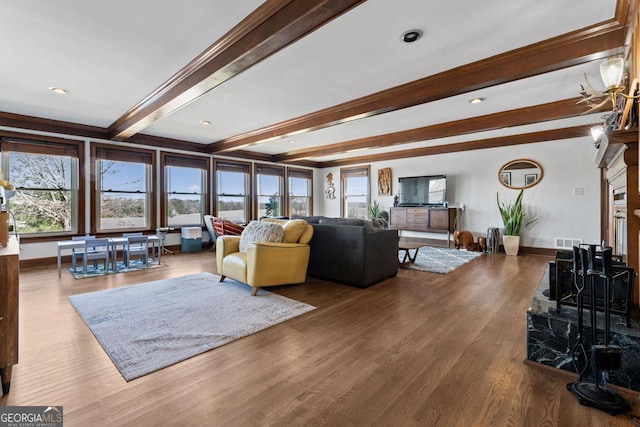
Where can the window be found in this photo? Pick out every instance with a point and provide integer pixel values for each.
(123, 182)
(300, 191)
(269, 183)
(46, 180)
(355, 192)
(232, 191)
(184, 189)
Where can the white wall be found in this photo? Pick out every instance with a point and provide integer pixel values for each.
(472, 179)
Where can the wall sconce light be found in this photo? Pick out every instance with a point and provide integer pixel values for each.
(611, 72)
(596, 133)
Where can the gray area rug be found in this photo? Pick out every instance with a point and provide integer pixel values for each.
(146, 327)
(441, 260)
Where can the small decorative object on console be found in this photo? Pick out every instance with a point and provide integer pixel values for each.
(482, 244)
(493, 240)
(463, 239)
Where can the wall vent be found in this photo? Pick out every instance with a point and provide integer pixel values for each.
(567, 242)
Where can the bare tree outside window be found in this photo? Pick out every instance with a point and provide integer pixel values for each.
(44, 194)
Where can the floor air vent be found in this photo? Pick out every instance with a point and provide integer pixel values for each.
(567, 243)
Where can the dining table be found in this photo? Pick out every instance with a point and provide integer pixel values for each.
(115, 242)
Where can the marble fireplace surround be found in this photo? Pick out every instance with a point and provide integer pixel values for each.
(552, 333)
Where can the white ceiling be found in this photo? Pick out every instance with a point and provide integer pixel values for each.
(111, 55)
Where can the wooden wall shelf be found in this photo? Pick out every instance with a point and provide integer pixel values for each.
(613, 144)
(623, 136)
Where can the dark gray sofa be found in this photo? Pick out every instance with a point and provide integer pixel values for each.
(352, 251)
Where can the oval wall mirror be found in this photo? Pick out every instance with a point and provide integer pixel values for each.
(520, 173)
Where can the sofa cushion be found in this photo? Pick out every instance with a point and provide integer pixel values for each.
(293, 229)
(260, 232)
(306, 236)
(309, 219)
(341, 221)
(235, 265)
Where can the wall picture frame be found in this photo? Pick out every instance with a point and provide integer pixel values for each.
(384, 182)
(530, 179)
(505, 177)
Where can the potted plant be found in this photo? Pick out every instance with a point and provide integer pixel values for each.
(376, 213)
(513, 220)
(374, 210)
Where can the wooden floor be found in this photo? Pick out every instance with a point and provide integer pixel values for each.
(420, 349)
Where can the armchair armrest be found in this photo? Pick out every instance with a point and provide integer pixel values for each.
(226, 245)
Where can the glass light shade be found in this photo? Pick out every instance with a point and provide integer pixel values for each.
(611, 72)
(596, 132)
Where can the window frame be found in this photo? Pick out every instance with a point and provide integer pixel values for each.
(231, 165)
(118, 153)
(271, 170)
(41, 144)
(185, 161)
(300, 173)
(354, 172)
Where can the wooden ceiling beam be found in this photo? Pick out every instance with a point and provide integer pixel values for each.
(521, 116)
(271, 27)
(503, 141)
(626, 14)
(54, 126)
(581, 46)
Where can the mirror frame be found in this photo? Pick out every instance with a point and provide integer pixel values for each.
(533, 162)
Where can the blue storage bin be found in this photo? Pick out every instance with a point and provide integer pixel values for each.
(191, 239)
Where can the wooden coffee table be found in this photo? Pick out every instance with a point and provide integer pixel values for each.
(406, 247)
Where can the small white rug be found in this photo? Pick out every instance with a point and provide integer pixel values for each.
(146, 327)
(441, 260)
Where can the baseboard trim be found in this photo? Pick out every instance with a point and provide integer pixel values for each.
(439, 243)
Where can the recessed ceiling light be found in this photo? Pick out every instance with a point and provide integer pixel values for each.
(476, 100)
(411, 36)
(205, 122)
(291, 141)
(58, 90)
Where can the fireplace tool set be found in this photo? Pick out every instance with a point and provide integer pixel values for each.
(590, 265)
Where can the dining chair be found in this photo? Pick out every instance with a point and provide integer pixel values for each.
(94, 250)
(136, 246)
(76, 253)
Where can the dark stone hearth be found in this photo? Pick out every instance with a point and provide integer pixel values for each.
(551, 334)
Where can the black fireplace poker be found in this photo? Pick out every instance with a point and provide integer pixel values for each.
(604, 357)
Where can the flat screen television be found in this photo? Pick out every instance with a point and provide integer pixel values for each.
(423, 190)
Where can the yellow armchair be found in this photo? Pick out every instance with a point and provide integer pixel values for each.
(266, 263)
